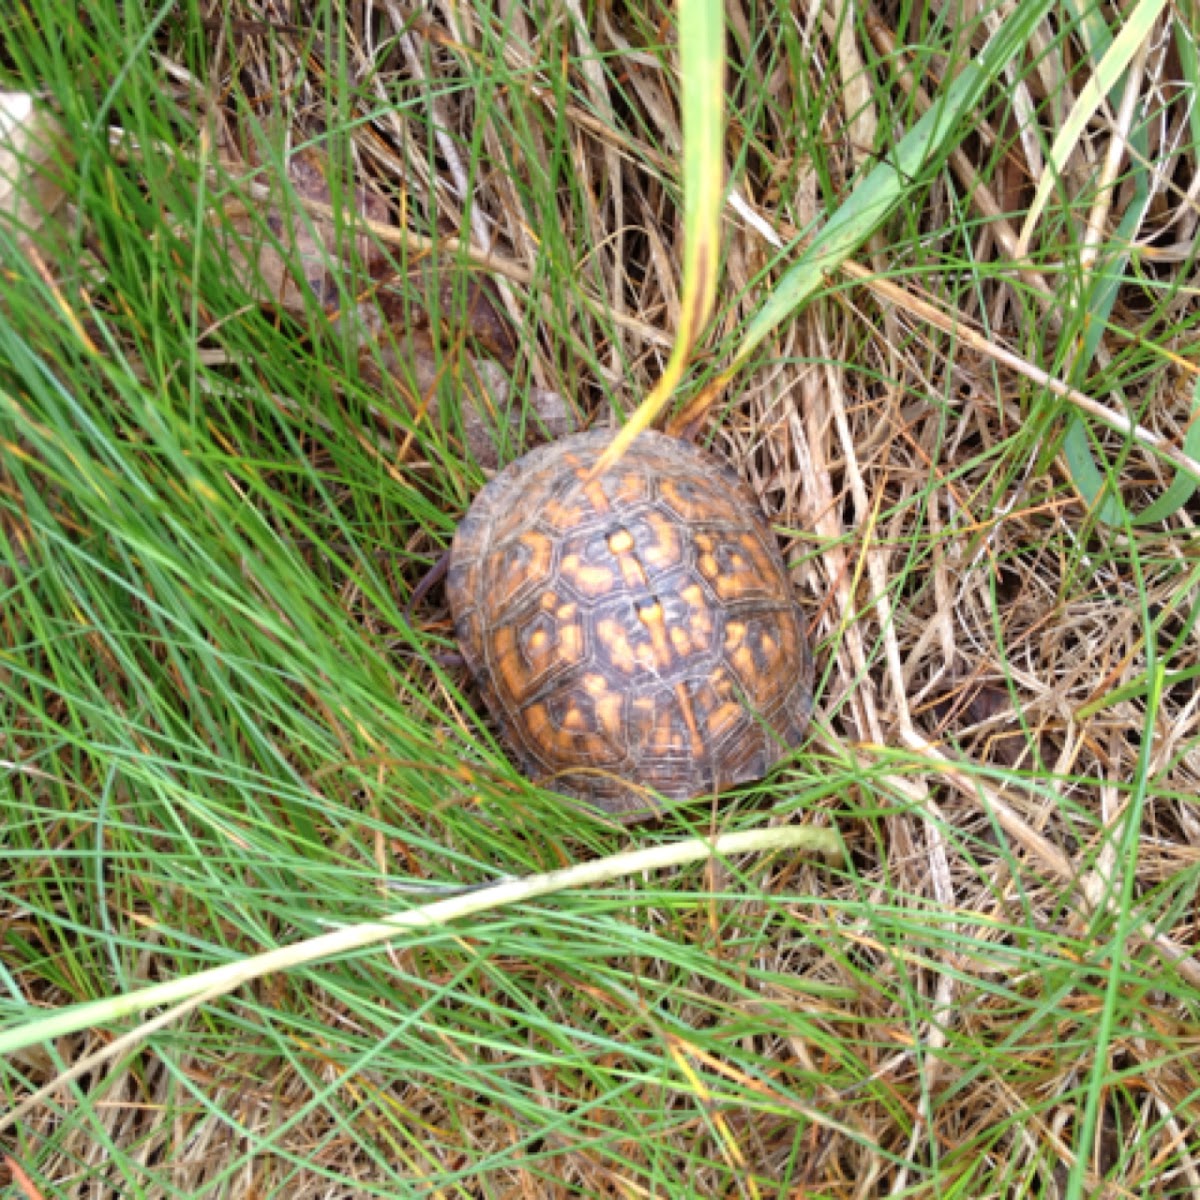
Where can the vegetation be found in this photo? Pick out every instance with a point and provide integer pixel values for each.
(313, 272)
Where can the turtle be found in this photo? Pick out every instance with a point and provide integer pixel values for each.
(635, 635)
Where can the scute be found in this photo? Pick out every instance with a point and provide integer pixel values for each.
(635, 636)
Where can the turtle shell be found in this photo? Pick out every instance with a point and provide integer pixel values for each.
(635, 637)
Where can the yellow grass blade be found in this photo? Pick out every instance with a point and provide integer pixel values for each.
(702, 60)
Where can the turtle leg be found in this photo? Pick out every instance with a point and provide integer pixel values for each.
(428, 582)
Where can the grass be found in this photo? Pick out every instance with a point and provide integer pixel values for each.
(224, 732)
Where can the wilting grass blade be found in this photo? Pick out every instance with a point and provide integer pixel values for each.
(702, 58)
(1107, 77)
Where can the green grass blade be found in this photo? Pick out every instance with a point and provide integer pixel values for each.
(1107, 76)
(889, 183)
(1107, 278)
(1183, 487)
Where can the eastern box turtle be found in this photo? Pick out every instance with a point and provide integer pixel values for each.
(636, 638)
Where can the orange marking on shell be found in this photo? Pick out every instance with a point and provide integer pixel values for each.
(761, 563)
(620, 542)
(608, 710)
(540, 552)
(689, 508)
(591, 580)
(591, 489)
(595, 685)
(658, 732)
(596, 497)
(743, 660)
(746, 569)
(625, 486)
(567, 741)
(570, 640)
(654, 619)
(689, 718)
(507, 660)
(724, 716)
(594, 580)
(617, 645)
(738, 652)
(650, 614)
(632, 573)
(791, 641)
(663, 549)
(608, 704)
(564, 513)
(717, 704)
(642, 712)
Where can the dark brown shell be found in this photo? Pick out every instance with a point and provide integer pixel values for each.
(633, 636)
